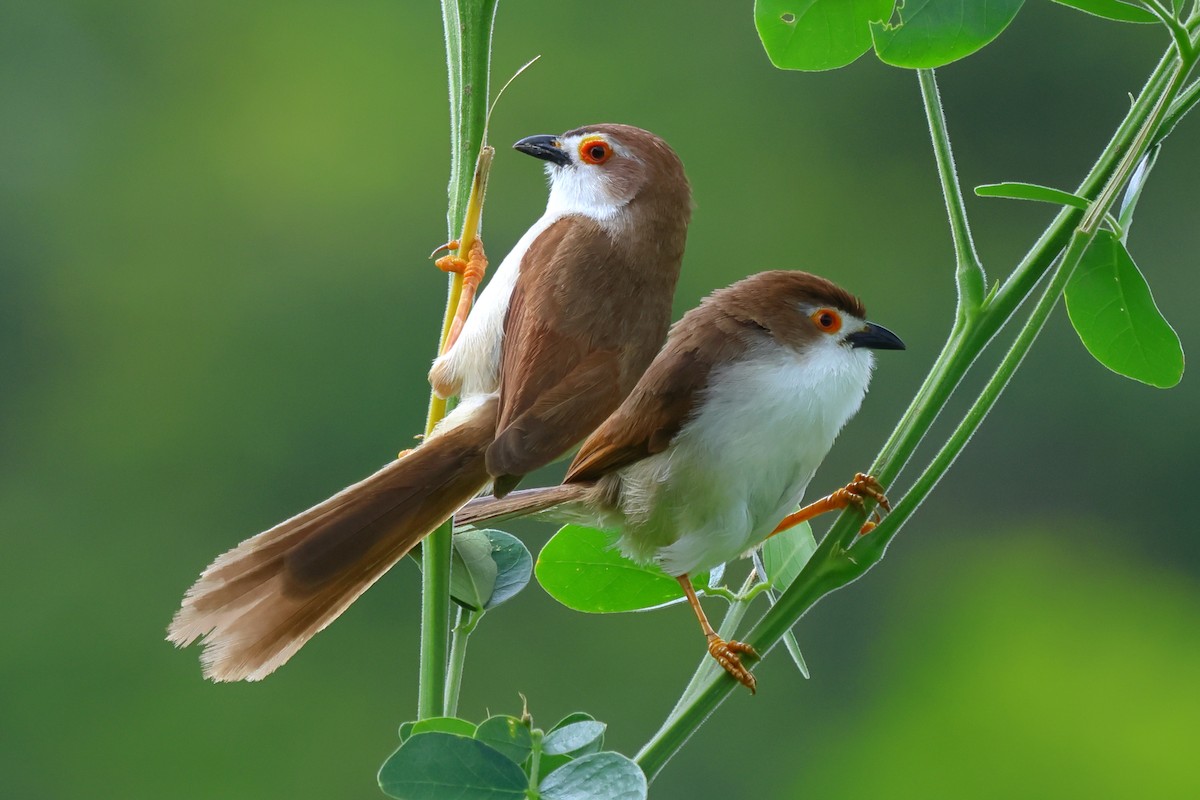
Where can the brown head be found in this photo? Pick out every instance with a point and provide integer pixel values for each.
(798, 309)
(602, 169)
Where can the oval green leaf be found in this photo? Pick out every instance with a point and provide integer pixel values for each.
(508, 735)
(551, 763)
(1111, 9)
(1015, 190)
(786, 553)
(514, 566)
(932, 33)
(472, 569)
(488, 567)
(581, 568)
(599, 776)
(817, 34)
(585, 736)
(574, 716)
(1114, 314)
(442, 766)
(454, 725)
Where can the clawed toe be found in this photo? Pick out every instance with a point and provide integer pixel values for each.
(728, 654)
(472, 269)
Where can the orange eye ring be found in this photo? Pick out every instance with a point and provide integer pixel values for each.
(827, 320)
(594, 150)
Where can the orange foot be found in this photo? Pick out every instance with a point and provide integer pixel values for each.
(728, 655)
(472, 269)
(408, 450)
(853, 493)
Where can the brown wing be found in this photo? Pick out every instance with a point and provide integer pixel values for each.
(666, 396)
(585, 319)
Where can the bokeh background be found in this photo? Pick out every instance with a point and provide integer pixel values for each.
(215, 309)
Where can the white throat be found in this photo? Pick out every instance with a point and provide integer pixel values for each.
(580, 190)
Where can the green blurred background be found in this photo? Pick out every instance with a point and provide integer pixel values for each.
(215, 309)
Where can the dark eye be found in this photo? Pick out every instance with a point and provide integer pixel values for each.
(594, 151)
(827, 320)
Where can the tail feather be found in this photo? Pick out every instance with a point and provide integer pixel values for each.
(257, 604)
(558, 503)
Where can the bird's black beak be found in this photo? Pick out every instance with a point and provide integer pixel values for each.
(546, 148)
(876, 337)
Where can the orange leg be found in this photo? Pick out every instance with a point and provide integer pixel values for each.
(853, 493)
(727, 654)
(472, 269)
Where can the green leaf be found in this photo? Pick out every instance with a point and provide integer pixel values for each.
(574, 716)
(783, 556)
(580, 568)
(1111, 9)
(599, 776)
(585, 736)
(550, 763)
(1014, 190)
(514, 566)
(817, 34)
(489, 567)
(933, 33)
(454, 725)
(793, 648)
(406, 730)
(786, 553)
(1114, 314)
(442, 766)
(508, 735)
(472, 569)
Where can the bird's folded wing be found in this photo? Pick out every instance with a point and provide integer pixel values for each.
(665, 398)
(572, 345)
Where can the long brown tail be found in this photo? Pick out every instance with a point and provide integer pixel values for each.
(556, 503)
(257, 604)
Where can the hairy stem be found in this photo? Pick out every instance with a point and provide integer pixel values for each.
(468, 28)
(467, 620)
(969, 275)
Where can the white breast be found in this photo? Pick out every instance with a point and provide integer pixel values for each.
(472, 366)
(745, 460)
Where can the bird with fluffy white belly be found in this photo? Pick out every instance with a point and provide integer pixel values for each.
(561, 334)
(721, 436)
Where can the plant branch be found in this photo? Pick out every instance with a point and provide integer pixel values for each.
(1183, 104)
(969, 275)
(1179, 31)
(842, 557)
(467, 620)
(468, 28)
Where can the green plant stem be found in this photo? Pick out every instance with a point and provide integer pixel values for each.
(962, 346)
(1178, 30)
(836, 563)
(468, 29)
(535, 759)
(1182, 105)
(467, 620)
(969, 275)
